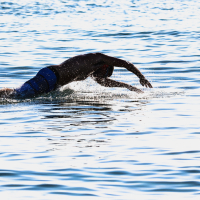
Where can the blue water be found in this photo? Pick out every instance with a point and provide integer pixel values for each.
(90, 142)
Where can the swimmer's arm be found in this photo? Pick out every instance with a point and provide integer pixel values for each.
(106, 82)
(129, 66)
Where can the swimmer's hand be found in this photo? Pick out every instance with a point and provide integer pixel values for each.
(145, 82)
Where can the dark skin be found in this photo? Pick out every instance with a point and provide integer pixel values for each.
(80, 67)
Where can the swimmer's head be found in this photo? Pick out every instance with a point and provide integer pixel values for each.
(6, 92)
(104, 71)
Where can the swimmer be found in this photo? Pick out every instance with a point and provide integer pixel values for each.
(98, 66)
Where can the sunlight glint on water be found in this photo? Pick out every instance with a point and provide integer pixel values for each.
(87, 141)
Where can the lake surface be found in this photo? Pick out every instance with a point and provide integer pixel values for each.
(87, 141)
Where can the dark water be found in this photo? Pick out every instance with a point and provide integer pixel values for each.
(87, 141)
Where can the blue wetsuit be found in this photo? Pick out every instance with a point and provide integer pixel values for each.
(45, 81)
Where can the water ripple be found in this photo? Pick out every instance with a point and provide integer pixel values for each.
(85, 140)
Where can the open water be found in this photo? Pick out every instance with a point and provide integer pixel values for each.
(90, 142)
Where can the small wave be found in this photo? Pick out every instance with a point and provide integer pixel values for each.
(90, 91)
(163, 93)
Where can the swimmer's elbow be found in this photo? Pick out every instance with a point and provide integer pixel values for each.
(96, 53)
(100, 55)
(96, 56)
